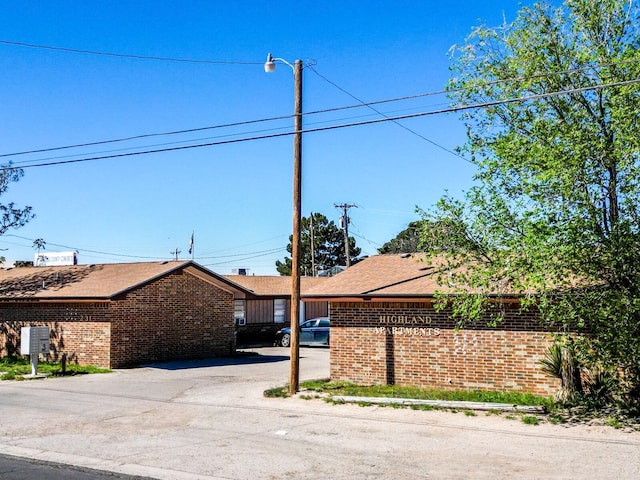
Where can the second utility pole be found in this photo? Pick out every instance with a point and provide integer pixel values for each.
(345, 228)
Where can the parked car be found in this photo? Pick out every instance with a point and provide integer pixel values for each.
(312, 332)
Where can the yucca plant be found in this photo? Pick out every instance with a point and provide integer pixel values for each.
(560, 362)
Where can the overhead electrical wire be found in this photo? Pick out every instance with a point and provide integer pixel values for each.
(146, 135)
(242, 259)
(284, 117)
(219, 126)
(223, 62)
(22, 162)
(124, 55)
(340, 126)
(234, 257)
(385, 116)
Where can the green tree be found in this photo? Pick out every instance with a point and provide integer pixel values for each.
(556, 206)
(10, 215)
(422, 235)
(39, 244)
(407, 241)
(328, 246)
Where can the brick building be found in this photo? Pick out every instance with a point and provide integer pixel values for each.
(119, 315)
(384, 330)
(260, 316)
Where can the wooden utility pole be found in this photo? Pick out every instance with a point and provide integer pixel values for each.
(345, 228)
(175, 253)
(270, 66)
(294, 374)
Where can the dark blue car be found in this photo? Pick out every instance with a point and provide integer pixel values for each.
(312, 332)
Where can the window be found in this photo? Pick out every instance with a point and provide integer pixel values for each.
(279, 310)
(239, 312)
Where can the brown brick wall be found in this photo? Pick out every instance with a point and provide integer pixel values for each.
(79, 330)
(176, 317)
(408, 343)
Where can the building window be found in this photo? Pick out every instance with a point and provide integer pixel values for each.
(279, 310)
(239, 312)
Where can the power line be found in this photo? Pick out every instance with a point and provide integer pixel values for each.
(18, 163)
(242, 259)
(385, 116)
(123, 55)
(147, 135)
(222, 62)
(234, 257)
(340, 126)
(84, 250)
(358, 234)
(219, 126)
(266, 252)
(329, 110)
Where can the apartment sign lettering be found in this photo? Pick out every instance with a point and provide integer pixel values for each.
(406, 325)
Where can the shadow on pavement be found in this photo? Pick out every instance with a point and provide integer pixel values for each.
(241, 358)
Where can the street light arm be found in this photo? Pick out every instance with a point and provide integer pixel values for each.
(270, 64)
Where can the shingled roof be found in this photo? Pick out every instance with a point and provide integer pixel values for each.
(394, 275)
(103, 281)
(274, 286)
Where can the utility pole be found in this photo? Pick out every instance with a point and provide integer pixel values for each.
(175, 253)
(344, 224)
(313, 250)
(297, 67)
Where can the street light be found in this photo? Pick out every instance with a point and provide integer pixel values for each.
(270, 66)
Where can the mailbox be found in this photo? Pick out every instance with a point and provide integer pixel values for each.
(34, 340)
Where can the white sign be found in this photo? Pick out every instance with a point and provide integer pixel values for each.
(55, 259)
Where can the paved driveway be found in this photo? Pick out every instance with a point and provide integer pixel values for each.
(209, 420)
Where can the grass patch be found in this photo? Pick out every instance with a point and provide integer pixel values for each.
(278, 392)
(424, 407)
(394, 391)
(14, 368)
(613, 422)
(310, 397)
(554, 413)
(556, 418)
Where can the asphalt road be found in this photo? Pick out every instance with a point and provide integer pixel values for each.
(16, 468)
(209, 421)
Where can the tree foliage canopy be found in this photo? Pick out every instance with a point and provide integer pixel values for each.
(328, 246)
(10, 215)
(555, 213)
(407, 241)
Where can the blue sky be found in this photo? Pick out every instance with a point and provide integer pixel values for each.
(236, 197)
